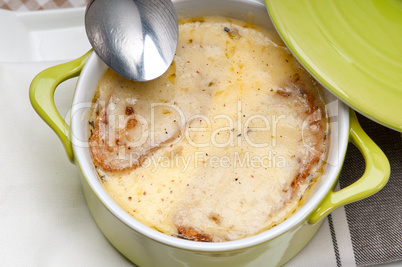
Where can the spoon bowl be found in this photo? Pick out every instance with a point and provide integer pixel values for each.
(135, 38)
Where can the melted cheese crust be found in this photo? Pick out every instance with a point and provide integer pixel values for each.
(222, 146)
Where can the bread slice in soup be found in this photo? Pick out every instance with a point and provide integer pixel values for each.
(223, 145)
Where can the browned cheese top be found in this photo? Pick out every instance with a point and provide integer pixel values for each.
(223, 145)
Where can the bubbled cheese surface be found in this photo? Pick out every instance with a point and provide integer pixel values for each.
(222, 146)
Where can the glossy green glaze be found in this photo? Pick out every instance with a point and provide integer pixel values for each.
(375, 177)
(41, 95)
(353, 47)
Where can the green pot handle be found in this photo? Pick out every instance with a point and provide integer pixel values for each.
(375, 176)
(41, 95)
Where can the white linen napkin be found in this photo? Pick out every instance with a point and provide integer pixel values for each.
(44, 220)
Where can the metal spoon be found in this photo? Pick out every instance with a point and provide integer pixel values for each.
(135, 38)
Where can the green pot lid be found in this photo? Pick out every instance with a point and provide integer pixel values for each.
(352, 47)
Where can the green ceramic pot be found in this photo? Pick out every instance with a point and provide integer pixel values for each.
(147, 247)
